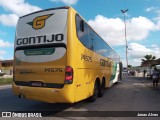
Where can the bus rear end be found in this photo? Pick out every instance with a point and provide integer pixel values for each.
(40, 66)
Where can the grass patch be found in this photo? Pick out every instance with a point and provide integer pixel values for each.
(4, 81)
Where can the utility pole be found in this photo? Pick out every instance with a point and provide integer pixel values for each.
(125, 34)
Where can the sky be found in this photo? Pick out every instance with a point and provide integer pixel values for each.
(104, 16)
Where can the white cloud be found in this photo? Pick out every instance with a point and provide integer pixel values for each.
(5, 43)
(19, 7)
(155, 10)
(135, 62)
(8, 20)
(1, 54)
(151, 9)
(69, 2)
(112, 29)
(138, 52)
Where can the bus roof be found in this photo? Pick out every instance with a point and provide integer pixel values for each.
(64, 7)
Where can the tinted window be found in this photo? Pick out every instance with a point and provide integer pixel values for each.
(98, 45)
(82, 35)
(91, 40)
(106, 50)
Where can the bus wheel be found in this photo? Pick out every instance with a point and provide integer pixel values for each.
(95, 93)
(101, 89)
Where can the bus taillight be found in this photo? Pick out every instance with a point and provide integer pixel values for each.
(68, 75)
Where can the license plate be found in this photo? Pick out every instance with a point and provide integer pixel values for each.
(38, 84)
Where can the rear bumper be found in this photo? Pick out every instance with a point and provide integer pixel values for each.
(49, 95)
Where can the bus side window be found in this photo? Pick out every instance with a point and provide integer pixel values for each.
(91, 38)
(82, 31)
(82, 26)
(91, 47)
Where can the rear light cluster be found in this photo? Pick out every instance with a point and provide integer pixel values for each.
(68, 75)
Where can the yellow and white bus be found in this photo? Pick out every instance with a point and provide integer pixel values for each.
(59, 58)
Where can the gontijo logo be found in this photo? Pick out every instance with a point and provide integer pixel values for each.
(39, 22)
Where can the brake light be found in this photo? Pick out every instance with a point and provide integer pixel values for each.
(68, 75)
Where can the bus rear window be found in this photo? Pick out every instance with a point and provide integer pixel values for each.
(39, 51)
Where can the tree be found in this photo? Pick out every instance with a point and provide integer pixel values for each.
(157, 62)
(148, 61)
(129, 66)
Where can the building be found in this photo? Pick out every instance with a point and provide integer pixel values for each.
(6, 66)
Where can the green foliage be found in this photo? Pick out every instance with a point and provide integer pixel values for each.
(4, 81)
(129, 66)
(148, 61)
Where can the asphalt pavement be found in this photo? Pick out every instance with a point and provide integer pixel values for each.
(128, 96)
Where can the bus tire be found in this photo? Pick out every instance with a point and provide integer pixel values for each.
(95, 93)
(101, 89)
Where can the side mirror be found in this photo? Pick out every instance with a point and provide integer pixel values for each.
(82, 26)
